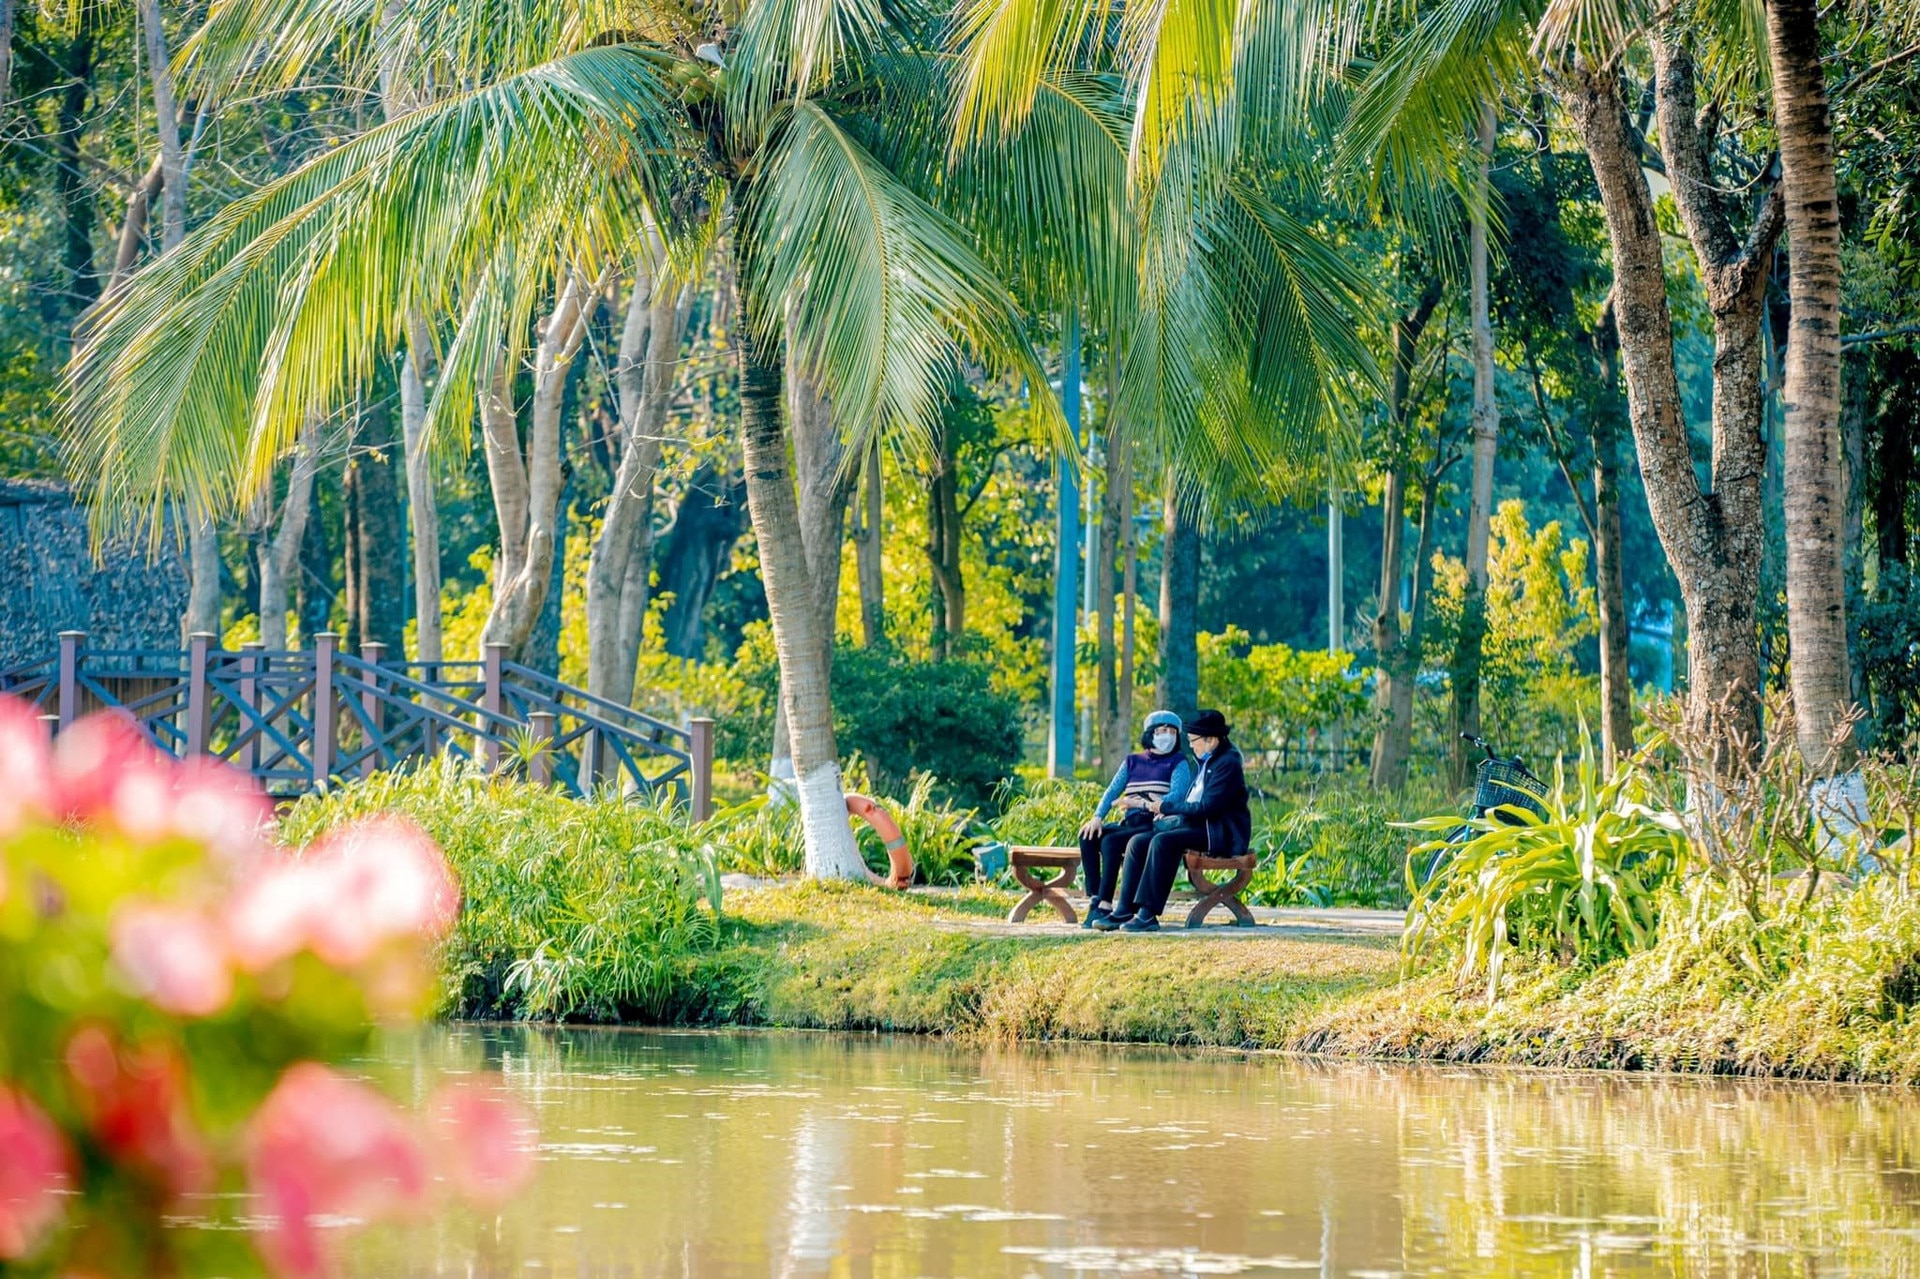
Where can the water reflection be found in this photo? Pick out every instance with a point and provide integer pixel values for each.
(791, 1155)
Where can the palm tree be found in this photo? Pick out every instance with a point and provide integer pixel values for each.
(574, 133)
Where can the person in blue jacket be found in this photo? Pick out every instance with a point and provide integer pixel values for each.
(1143, 778)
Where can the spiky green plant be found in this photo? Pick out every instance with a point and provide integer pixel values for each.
(1583, 881)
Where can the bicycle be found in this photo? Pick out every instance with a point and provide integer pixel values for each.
(1499, 784)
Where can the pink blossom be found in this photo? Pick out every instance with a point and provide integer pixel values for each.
(134, 1100)
(104, 768)
(175, 957)
(35, 1170)
(217, 805)
(26, 768)
(324, 1145)
(354, 891)
(482, 1142)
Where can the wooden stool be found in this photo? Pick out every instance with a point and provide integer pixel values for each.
(1223, 893)
(1025, 859)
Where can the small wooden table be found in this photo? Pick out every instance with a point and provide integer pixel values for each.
(1027, 858)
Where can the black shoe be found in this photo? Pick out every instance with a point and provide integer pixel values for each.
(1094, 915)
(1108, 923)
(1141, 923)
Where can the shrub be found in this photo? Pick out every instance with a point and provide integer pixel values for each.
(905, 717)
(1276, 697)
(1339, 844)
(938, 835)
(1048, 811)
(588, 909)
(1583, 881)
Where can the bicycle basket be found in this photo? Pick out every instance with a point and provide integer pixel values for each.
(1507, 782)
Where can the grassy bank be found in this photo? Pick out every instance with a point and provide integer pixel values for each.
(606, 912)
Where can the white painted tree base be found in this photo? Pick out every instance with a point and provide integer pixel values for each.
(1840, 816)
(831, 850)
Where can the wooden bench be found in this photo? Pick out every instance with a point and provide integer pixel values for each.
(1026, 859)
(1226, 892)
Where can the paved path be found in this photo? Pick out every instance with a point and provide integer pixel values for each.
(1376, 927)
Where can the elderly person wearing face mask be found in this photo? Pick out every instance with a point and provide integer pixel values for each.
(1208, 814)
(1143, 779)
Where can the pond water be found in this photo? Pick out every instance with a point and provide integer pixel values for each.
(796, 1154)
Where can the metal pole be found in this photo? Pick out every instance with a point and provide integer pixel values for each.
(69, 703)
(325, 709)
(1066, 566)
(1336, 571)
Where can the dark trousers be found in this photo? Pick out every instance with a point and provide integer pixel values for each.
(1154, 859)
(1100, 858)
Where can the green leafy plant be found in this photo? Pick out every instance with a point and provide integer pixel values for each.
(1584, 881)
(1047, 811)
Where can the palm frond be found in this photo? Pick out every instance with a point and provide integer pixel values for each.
(879, 291)
(191, 380)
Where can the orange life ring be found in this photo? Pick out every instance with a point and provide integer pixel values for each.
(899, 860)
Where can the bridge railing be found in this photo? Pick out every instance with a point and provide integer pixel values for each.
(300, 720)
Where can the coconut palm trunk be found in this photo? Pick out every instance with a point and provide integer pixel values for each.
(1116, 502)
(1815, 478)
(280, 556)
(1616, 684)
(799, 638)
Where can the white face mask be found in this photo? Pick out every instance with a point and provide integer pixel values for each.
(1164, 740)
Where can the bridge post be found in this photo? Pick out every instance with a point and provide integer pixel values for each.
(700, 748)
(373, 652)
(251, 664)
(492, 658)
(197, 645)
(589, 760)
(324, 709)
(69, 704)
(543, 725)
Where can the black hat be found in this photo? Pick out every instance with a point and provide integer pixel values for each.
(1208, 724)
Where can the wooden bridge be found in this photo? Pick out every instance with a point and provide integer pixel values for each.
(303, 720)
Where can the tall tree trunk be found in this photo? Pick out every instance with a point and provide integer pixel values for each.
(76, 197)
(6, 53)
(423, 506)
(1129, 611)
(1895, 446)
(313, 592)
(1397, 662)
(1603, 440)
(1179, 684)
(133, 230)
(869, 567)
(377, 595)
(1486, 442)
(280, 555)
(527, 490)
(1816, 490)
(1713, 537)
(1116, 496)
(795, 613)
(943, 550)
(618, 570)
(695, 549)
(173, 156)
(824, 487)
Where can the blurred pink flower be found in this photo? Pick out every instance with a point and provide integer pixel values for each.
(355, 890)
(105, 770)
(35, 1171)
(175, 957)
(322, 1145)
(26, 768)
(134, 1100)
(483, 1142)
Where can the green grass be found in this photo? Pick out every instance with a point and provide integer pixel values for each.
(604, 911)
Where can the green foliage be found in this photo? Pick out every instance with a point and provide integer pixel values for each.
(759, 837)
(1339, 844)
(1276, 696)
(1540, 610)
(1045, 812)
(905, 717)
(1584, 881)
(578, 909)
